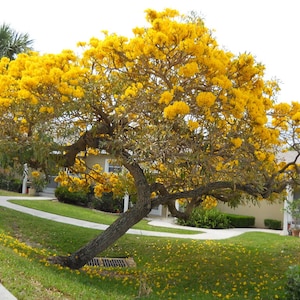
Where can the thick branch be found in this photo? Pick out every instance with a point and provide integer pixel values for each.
(213, 189)
(88, 139)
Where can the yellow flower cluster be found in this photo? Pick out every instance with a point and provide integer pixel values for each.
(46, 109)
(296, 117)
(21, 248)
(175, 109)
(260, 155)
(189, 70)
(132, 90)
(101, 182)
(92, 151)
(166, 97)
(205, 99)
(209, 202)
(35, 174)
(5, 102)
(237, 142)
(120, 110)
(193, 125)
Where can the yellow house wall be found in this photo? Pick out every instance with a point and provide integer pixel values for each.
(261, 212)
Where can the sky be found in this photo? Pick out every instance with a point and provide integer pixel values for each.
(268, 29)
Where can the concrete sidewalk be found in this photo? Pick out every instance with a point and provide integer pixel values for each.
(200, 233)
(5, 294)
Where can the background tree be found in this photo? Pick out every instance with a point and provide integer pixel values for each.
(12, 42)
(187, 119)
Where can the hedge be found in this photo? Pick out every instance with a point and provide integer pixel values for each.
(239, 221)
(272, 224)
(81, 198)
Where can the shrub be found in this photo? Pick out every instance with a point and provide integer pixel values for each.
(239, 221)
(293, 283)
(272, 224)
(15, 185)
(206, 218)
(107, 203)
(77, 198)
(10, 184)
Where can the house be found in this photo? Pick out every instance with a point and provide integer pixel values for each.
(266, 210)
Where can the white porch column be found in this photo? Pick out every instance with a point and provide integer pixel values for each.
(126, 202)
(25, 178)
(286, 216)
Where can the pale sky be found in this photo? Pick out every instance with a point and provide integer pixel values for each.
(269, 29)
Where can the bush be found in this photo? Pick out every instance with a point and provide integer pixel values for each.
(10, 184)
(107, 203)
(239, 221)
(77, 198)
(293, 283)
(206, 218)
(272, 224)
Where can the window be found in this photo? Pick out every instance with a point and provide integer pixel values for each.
(112, 167)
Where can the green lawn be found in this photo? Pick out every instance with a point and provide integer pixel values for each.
(91, 215)
(8, 193)
(251, 266)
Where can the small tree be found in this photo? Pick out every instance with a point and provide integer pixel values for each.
(293, 209)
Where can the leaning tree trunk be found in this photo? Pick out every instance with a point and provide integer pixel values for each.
(116, 230)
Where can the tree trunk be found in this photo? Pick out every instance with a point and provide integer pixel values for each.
(116, 230)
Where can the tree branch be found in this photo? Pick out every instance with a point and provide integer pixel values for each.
(90, 138)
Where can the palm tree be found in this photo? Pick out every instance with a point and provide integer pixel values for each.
(12, 42)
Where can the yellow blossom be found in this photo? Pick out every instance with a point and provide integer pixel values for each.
(260, 155)
(206, 99)
(175, 109)
(35, 174)
(296, 117)
(209, 202)
(166, 97)
(193, 125)
(237, 142)
(189, 69)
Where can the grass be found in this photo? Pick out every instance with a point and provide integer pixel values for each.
(250, 266)
(8, 193)
(87, 214)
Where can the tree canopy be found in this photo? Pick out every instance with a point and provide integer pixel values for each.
(186, 118)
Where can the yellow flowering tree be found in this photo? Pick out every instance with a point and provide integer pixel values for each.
(186, 119)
